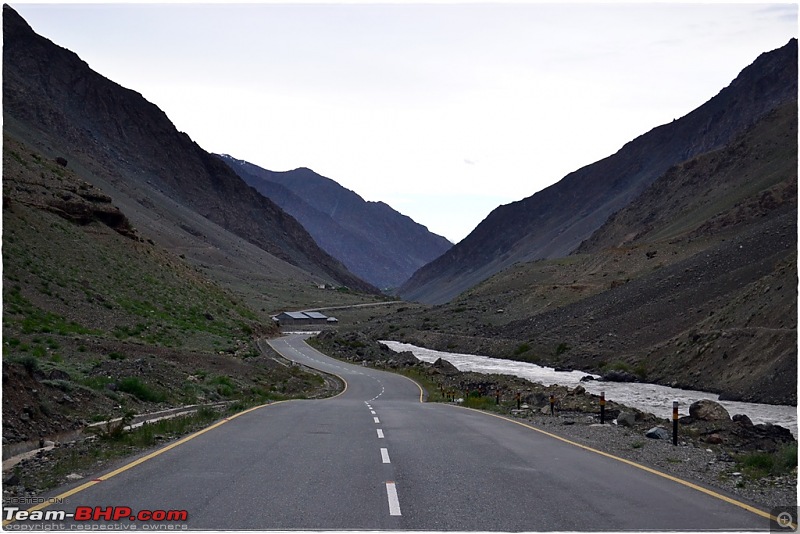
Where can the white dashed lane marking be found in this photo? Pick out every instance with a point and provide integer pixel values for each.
(391, 488)
(391, 495)
(383, 390)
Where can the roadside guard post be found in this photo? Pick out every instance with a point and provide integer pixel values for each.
(602, 407)
(674, 422)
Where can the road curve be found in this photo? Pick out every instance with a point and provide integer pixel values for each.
(376, 458)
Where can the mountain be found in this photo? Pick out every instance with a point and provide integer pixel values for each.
(371, 239)
(98, 321)
(553, 222)
(751, 178)
(125, 285)
(692, 284)
(170, 188)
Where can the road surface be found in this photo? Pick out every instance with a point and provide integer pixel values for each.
(375, 457)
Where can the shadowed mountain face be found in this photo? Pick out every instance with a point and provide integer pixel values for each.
(692, 284)
(54, 101)
(371, 239)
(715, 304)
(553, 222)
(126, 288)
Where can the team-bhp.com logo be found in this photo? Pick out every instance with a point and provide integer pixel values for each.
(90, 517)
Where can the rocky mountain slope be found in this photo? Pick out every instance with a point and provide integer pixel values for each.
(371, 239)
(553, 222)
(139, 271)
(161, 178)
(693, 284)
(99, 321)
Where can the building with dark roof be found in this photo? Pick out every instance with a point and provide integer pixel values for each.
(303, 319)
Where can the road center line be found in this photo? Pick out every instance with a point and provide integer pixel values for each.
(394, 502)
(372, 412)
(385, 455)
(380, 434)
(376, 419)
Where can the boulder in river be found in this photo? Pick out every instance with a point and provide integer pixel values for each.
(620, 376)
(708, 410)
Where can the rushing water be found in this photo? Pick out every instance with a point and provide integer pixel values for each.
(650, 398)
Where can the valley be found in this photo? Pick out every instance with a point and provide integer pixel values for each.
(142, 273)
(682, 287)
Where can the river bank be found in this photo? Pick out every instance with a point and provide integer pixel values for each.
(650, 398)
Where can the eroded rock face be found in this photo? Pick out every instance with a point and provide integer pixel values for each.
(35, 182)
(708, 410)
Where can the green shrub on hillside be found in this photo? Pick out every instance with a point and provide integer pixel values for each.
(140, 390)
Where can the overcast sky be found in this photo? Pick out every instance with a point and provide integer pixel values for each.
(443, 111)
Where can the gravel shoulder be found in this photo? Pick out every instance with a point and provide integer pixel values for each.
(709, 466)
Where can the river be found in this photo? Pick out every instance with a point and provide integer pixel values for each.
(650, 398)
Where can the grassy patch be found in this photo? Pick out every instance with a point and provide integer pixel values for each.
(521, 348)
(641, 370)
(761, 464)
(224, 385)
(140, 390)
(33, 320)
(28, 361)
(430, 387)
(97, 383)
(480, 403)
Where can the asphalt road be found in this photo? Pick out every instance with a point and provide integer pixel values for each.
(376, 458)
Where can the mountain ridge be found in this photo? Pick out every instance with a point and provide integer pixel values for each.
(370, 238)
(554, 221)
(693, 284)
(135, 148)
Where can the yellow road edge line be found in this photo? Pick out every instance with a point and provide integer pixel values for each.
(686, 483)
(141, 460)
(341, 392)
(421, 390)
